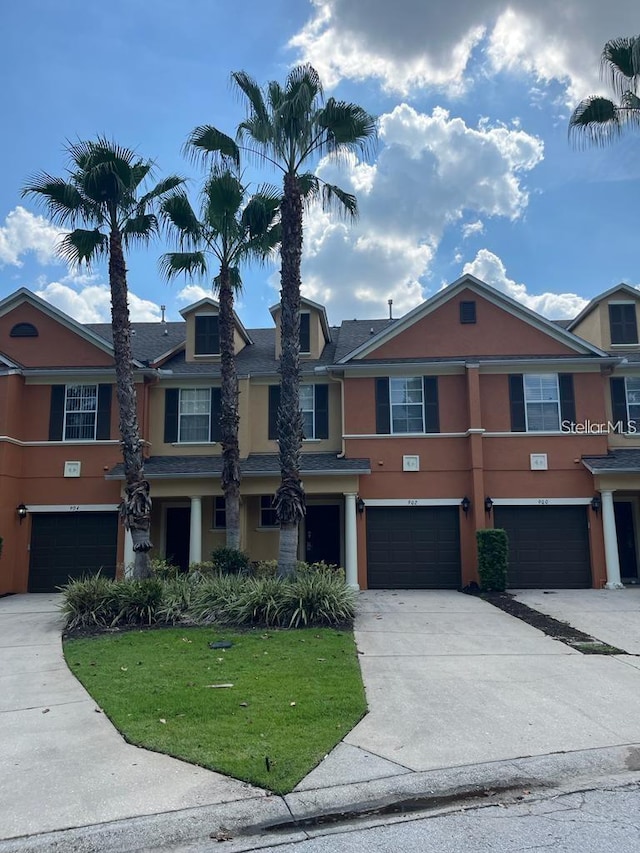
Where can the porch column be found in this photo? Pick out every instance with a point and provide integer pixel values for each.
(610, 541)
(195, 531)
(350, 541)
(129, 556)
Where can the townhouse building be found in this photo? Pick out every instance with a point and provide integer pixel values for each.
(471, 411)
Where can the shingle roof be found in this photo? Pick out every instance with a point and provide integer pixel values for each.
(149, 341)
(353, 333)
(616, 461)
(255, 465)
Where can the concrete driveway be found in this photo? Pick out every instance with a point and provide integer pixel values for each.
(62, 763)
(453, 681)
(610, 615)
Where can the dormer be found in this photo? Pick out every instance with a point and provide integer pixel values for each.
(314, 329)
(611, 321)
(203, 331)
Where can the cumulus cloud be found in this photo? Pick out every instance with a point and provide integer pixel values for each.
(23, 232)
(410, 44)
(556, 306)
(191, 293)
(432, 171)
(471, 228)
(92, 303)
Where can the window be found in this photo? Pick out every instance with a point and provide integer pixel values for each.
(207, 335)
(307, 399)
(305, 333)
(622, 323)
(219, 513)
(194, 422)
(633, 398)
(314, 406)
(542, 402)
(468, 312)
(23, 330)
(80, 412)
(267, 512)
(625, 403)
(407, 405)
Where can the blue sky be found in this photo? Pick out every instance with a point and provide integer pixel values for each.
(473, 170)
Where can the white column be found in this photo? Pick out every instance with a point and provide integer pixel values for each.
(129, 555)
(610, 541)
(195, 531)
(350, 541)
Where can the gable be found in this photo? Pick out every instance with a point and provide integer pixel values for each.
(496, 332)
(593, 324)
(55, 344)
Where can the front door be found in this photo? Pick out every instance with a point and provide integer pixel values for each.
(177, 538)
(625, 530)
(323, 534)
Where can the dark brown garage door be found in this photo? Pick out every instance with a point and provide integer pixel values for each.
(413, 548)
(69, 545)
(548, 546)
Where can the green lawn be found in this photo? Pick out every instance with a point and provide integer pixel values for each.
(295, 695)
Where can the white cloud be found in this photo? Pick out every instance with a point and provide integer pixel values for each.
(432, 170)
(23, 232)
(471, 228)
(193, 293)
(92, 303)
(412, 44)
(556, 306)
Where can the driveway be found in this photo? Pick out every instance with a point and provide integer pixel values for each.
(610, 615)
(453, 681)
(62, 763)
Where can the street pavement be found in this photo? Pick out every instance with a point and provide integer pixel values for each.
(462, 697)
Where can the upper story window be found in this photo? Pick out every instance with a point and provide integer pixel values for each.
(80, 412)
(625, 403)
(314, 406)
(541, 402)
(268, 517)
(207, 340)
(622, 323)
(192, 415)
(23, 330)
(407, 405)
(305, 333)
(468, 311)
(219, 513)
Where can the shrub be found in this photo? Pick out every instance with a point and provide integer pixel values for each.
(89, 601)
(319, 598)
(314, 568)
(203, 569)
(265, 569)
(230, 561)
(177, 598)
(213, 597)
(138, 601)
(259, 600)
(493, 551)
(163, 570)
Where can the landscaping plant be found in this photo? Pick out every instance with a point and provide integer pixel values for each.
(493, 556)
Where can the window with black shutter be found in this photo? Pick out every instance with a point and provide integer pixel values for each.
(622, 323)
(305, 333)
(207, 340)
(468, 312)
(274, 403)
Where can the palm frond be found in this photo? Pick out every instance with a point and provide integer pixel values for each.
(190, 264)
(261, 212)
(619, 64)
(222, 196)
(233, 278)
(63, 200)
(139, 229)
(309, 186)
(335, 198)
(347, 127)
(206, 140)
(596, 120)
(176, 211)
(83, 247)
(252, 92)
(163, 188)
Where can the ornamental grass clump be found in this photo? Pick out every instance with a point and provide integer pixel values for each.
(89, 602)
(138, 601)
(214, 596)
(319, 598)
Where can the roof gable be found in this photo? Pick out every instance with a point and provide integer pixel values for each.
(207, 305)
(504, 327)
(622, 289)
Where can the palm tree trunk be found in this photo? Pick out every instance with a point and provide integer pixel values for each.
(289, 498)
(135, 508)
(229, 417)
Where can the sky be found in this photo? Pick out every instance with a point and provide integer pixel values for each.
(473, 171)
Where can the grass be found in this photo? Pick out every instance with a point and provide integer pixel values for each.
(295, 695)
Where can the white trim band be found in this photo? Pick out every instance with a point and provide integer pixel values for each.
(73, 507)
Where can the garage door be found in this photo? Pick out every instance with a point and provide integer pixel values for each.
(413, 548)
(548, 546)
(65, 545)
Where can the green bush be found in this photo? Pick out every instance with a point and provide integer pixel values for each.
(177, 598)
(163, 570)
(138, 601)
(230, 561)
(214, 596)
(203, 569)
(265, 569)
(319, 598)
(493, 557)
(89, 602)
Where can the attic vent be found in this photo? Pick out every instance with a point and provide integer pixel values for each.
(468, 312)
(23, 330)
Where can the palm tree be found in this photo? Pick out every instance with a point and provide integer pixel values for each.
(233, 234)
(598, 120)
(102, 191)
(291, 127)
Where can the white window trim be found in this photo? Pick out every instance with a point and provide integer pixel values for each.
(534, 402)
(626, 398)
(391, 405)
(180, 416)
(263, 526)
(85, 411)
(312, 410)
(215, 509)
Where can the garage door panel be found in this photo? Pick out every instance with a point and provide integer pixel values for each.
(548, 546)
(413, 548)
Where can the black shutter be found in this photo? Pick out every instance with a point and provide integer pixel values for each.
(322, 411)
(622, 323)
(305, 333)
(56, 412)
(619, 404)
(103, 421)
(171, 400)
(516, 399)
(567, 399)
(216, 411)
(274, 403)
(207, 340)
(468, 312)
(431, 409)
(383, 407)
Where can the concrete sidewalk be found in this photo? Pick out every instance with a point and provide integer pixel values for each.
(461, 696)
